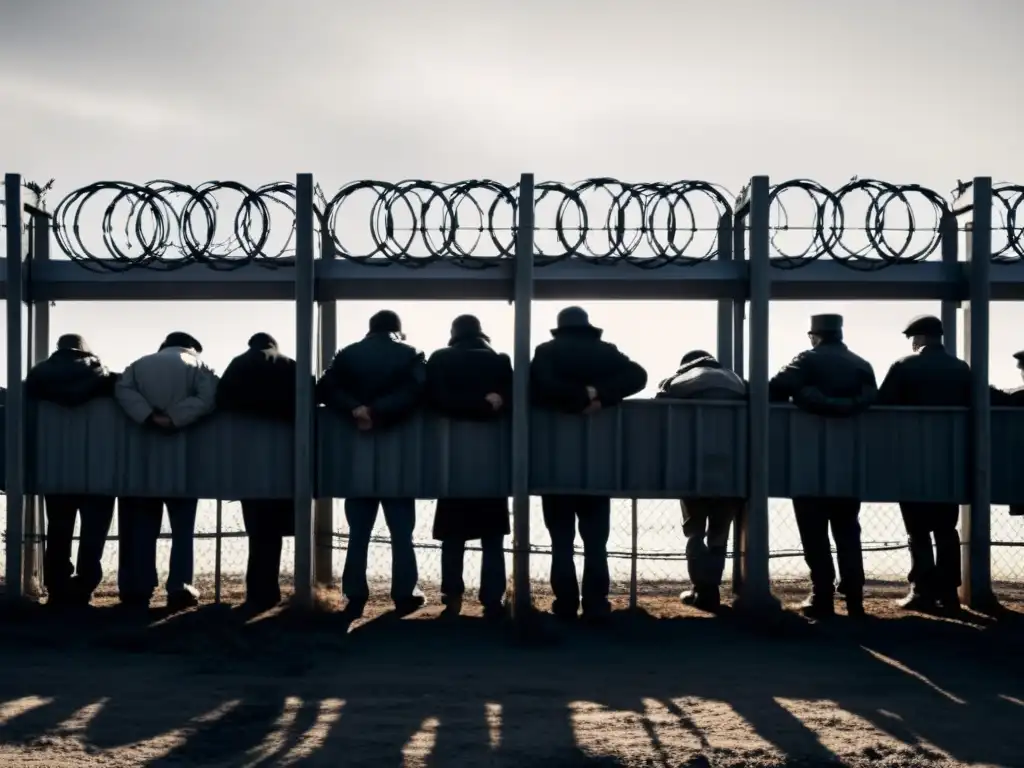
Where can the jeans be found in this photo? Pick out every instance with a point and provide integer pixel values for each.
(267, 521)
(709, 519)
(493, 579)
(934, 575)
(58, 572)
(138, 520)
(813, 519)
(594, 514)
(400, 516)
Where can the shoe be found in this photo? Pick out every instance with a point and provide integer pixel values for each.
(855, 607)
(183, 599)
(408, 605)
(452, 607)
(915, 601)
(354, 609)
(495, 612)
(950, 604)
(817, 607)
(709, 602)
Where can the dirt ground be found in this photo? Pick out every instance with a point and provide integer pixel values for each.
(662, 686)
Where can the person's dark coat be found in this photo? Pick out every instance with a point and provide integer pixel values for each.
(931, 376)
(380, 372)
(69, 377)
(259, 382)
(702, 378)
(1012, 398)
(828, 380)
(577, 358)
(459, 377)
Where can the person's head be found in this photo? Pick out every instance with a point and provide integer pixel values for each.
(574, 320)
(1019, 357)
(182, 339)
(695, 354)
(923, 331)
(468, 327)
(825, 328)
(387, 321)
(73, 341)
(262, 341)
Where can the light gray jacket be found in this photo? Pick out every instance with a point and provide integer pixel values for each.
(174, 380)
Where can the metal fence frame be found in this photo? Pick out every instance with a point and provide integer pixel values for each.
(741, 280)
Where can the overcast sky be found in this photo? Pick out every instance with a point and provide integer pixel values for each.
(908, 91)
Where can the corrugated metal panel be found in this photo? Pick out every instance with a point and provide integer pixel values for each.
(1007, 455)
(96, 449)
(426, 457)
(643, 448)
(887, 454)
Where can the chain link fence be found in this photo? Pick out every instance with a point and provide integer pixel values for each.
(656, 549)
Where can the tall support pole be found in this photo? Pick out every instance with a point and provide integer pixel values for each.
(739, 313)
(14, 434)
(950, 234)
(725, 351)
(304, 290)
(39, 348)
(323, 524)
(522, 603)
(755, 594)
(975, 518)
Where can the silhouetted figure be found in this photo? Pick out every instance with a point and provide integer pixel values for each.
(577, 372)
(167, 390)
(469, 380)
(1011, 397)
(930, 376)
(71, 377)
(260, 382)
(702, 377)
(378, 382)
(829, 380)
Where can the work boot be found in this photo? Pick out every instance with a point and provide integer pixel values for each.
(949, 602)
(183, 599)
(703, 600)
(917, 601)
(817, 607)
(452, 607)
(855, 606)
(410, 604)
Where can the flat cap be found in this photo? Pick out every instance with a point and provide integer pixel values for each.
(924, 325)
(695, 354)
(386, 321)
(73, 341)
(1019, 357)
(826, 323)
(262, 341)
(182, 339)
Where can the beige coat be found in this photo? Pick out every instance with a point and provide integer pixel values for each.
(174, 380)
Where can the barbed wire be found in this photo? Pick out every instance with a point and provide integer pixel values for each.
(865, 224)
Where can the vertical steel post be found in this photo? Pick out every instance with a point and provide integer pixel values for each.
(975, 518)
(324, 508)
(634, 551)
(739, 311)
(14, 434)
(755, 593)
(950, 233)
(304, 292)
(218, 551)
(523, 301)
(725, 306)
(39, 349)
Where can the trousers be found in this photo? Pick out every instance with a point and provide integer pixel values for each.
(814, 517)
(561, 513)
(706, 526)
(400, 517)
(933, 574)
(60, 577)
(267, 522)
(138, 522)
(493, 577)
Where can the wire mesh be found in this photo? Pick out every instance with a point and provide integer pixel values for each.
(659, 547)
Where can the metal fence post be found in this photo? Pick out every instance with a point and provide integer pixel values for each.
(739, 311)
(217, 552)
(755, 593)
(304, 316)
(523, 299)
(634, 519)
(949, 232)
(725, 306)
(975, 518)
(323, 525)
(14, 433)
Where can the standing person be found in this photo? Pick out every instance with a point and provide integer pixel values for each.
(260, 383)
(378, 382)
(829, 380)
(469, 380)
(1014, 396)
(702, 377)
(167, 390)
(71, 377)
(577, 372)
(929, 377)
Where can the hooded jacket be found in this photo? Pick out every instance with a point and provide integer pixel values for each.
(704, 379)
